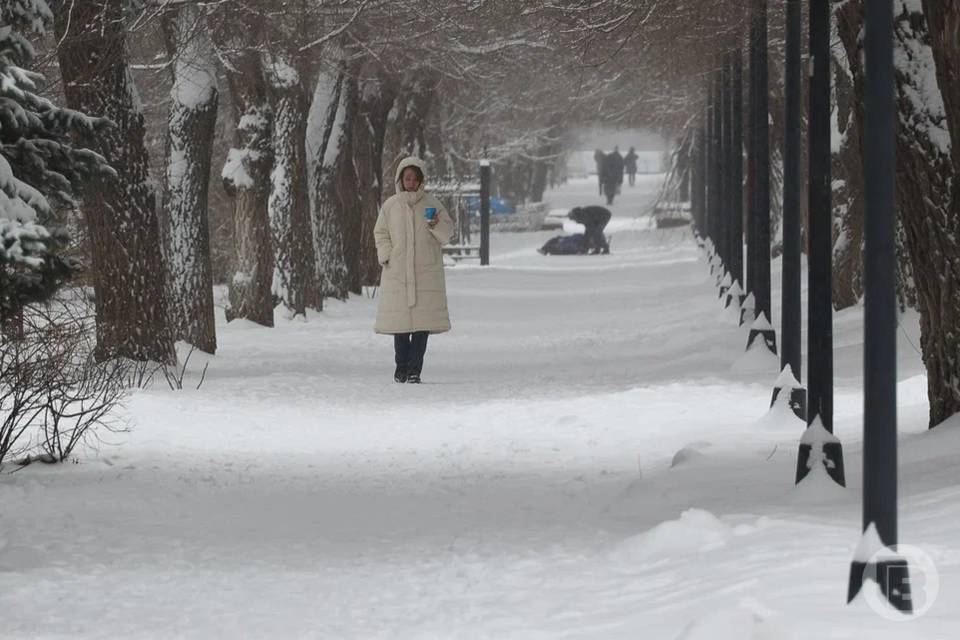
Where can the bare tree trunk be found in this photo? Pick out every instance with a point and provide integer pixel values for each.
(246, 176)
(347, 187)
(925, 176)
(941, 340)
(943, 18)
(328, 126)
(539, 182)
(377, 95)
(850, 26)
(289, 203)
(848, 176)
(408, 122)
(129, 270)
(542, 165)
(191, 127)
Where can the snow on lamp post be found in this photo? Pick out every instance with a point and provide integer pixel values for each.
(875, 559)
(748, 310)
(820, 306)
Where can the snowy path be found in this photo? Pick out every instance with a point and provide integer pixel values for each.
(524, 491)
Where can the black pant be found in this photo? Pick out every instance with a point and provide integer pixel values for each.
(596, 241)
(409, 349)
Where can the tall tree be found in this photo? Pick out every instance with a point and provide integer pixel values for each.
(927, 187)
(377, 95)
(924, 177)
(40, 168)
(194, 98)
(289, 203)
(246, 174)
(328, 125)
(847, 167)
(129, 272)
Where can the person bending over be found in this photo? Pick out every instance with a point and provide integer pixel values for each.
(594, 219)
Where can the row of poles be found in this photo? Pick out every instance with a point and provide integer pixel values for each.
(717, 205)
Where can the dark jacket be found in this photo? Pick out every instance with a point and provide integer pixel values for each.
(614, 168)
(593, 216)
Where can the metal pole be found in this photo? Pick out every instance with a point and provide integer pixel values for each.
(752, 166)
(698, 197)
(707, 164)
(718, 166)
(723, 168)
(694, 180)
(728, 153)
(790, 308)
(762, 290)
(736, 165)
(760, 218)
(820, 309)
(713, 177)
(880, 309)
(484, 212)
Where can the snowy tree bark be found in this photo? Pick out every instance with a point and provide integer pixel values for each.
(194, 99)
(289, 203)
(924, 177)
(246, 176)
(328, 130)
(941, 339)
(850, 27)
(847, 171)
(377, 95)
(128, 268)
(943, 18)
(347, 186)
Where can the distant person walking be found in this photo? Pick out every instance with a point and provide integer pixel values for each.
(612, 175)
(594, 220)
(630, 165)
(599, 158)
(411, 228)
(616, 165)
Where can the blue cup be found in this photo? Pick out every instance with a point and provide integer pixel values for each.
(430, 213)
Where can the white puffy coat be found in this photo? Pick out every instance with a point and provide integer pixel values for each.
(413, 290)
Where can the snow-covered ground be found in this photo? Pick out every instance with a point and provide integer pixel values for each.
(526, 490)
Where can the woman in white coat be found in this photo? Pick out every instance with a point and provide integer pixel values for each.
(411, 228)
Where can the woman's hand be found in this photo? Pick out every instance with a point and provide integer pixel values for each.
(433, 221)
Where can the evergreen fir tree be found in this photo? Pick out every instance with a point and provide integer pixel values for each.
(40, 169)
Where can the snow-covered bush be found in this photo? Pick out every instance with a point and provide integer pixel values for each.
(40, 169)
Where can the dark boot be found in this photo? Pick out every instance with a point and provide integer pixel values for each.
(418, 347)
(400, 375)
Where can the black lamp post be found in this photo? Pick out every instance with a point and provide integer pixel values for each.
(820, 309)
(880, 319)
